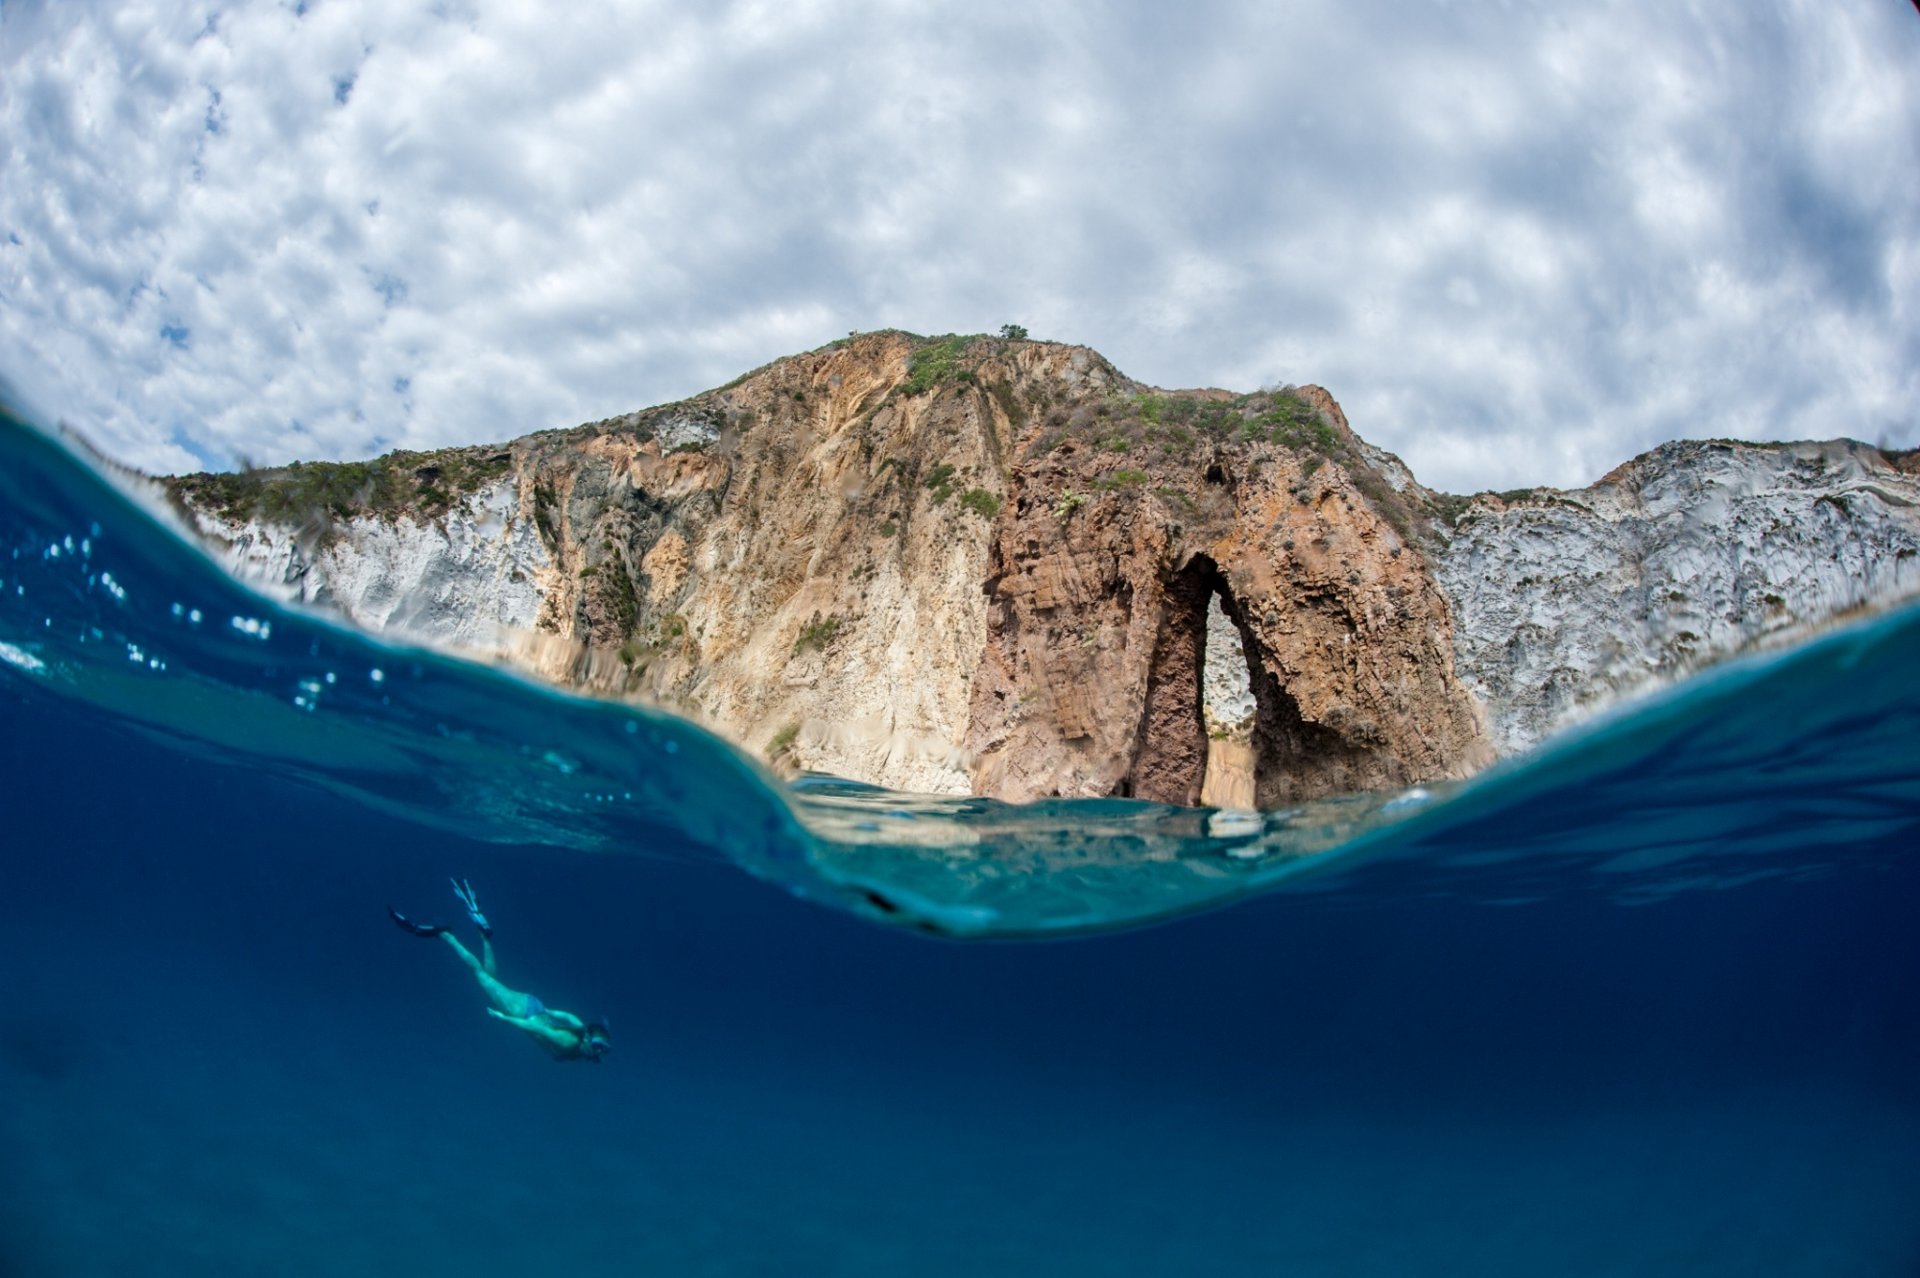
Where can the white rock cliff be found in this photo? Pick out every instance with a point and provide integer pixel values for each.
(1565, 602)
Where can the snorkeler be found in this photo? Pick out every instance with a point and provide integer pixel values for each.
(564, 1036)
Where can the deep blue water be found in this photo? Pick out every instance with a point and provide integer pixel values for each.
(1645, 1003)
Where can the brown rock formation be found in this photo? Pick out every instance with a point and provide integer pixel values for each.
(1098, 588)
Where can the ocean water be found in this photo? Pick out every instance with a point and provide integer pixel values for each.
(1646, 1002)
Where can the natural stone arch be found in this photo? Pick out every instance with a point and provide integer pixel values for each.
(1170, 751)
(1292, 755)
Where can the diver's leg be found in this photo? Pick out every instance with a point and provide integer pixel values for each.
(513, 1002)
(466, 955)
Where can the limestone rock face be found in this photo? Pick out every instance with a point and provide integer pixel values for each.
(983, 565)
(1564, 602)
(467, 582)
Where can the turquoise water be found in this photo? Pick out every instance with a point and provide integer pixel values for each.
(1642, 1003)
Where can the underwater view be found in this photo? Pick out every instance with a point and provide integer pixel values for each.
(1645, 1001)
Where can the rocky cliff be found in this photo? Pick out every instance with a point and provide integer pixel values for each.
(1121, 529)
(988, 565)
(1563, 601)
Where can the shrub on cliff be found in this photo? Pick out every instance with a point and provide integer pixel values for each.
(980, 502)
(817, 633)
(939, 482)
(936, 362)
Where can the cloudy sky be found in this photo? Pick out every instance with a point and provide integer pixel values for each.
(1520, 241)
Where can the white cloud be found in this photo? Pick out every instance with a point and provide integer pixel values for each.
(1519, 242)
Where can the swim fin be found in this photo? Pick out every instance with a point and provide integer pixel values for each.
(408, 925)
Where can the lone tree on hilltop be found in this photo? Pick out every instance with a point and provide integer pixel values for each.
(1014, 332)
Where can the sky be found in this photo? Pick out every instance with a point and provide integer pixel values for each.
(1519, 241)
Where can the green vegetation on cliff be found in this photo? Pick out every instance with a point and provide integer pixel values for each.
(939, 481)
(1162, 428)
(1173, 424)
(818, 633)
(423, 485)
(980, 502)
(938, 361)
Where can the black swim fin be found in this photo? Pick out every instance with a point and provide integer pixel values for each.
(408, 925)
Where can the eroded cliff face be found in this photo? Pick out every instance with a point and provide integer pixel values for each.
(789, 560)
(1567, 601)
(985, 565)
(1098, 591)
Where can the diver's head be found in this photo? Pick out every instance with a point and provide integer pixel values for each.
(594, 1043)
